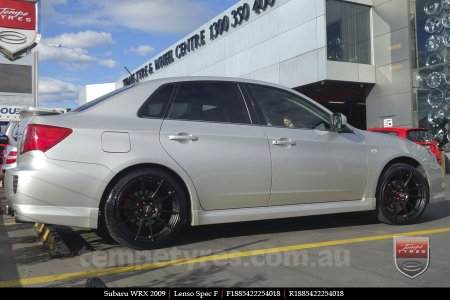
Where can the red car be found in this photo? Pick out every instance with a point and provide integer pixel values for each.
(419, 136)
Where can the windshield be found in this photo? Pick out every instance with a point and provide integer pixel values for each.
(393, 133)
(421, 136)
(101, 99)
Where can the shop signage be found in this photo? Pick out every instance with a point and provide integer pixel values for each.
(10, 113)
(388, 123)
(219, 27)
(18, 27)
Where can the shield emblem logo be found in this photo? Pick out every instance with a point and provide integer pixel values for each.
(412, 255)
(18, 27)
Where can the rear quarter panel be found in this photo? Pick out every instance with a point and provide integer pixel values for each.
(119, 115)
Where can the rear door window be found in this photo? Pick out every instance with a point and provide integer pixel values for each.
(155, 106)
(220, 102)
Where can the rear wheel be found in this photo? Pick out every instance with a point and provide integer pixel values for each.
(145, 209)
(403, 195)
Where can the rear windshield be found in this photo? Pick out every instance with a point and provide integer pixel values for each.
(393, 133)
(420, 136)
(101, 99)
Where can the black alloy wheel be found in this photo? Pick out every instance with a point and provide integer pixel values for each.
(145, 209)
(403, 195)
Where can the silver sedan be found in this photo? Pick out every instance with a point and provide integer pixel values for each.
(143, 162)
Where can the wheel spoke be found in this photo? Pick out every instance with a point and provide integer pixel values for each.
(146, 208)
(150, 228)
(131, 194)
(170, 194)
(139, 230)
(126, 221)
(412, 206)
(157, 189)
(417, 197)
(126, 207)
(394, 211)
(414, 189)
(172, 212)
(409, 179)
(401, 175)
(163, 222)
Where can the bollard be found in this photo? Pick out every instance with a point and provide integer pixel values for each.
(50, 238)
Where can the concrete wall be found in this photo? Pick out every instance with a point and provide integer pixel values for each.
(285, 45)
(392, 95)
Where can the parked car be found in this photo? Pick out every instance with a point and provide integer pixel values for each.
(9, 157)
(419, 136)
(11, 132)
(146, 160)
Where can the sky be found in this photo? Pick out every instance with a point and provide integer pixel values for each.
(98, 38)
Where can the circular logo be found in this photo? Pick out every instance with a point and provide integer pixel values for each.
(13, 37)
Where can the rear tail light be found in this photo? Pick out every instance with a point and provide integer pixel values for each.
(43, 137)
(11, 158)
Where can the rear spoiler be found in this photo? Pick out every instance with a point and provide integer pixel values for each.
(38, 111)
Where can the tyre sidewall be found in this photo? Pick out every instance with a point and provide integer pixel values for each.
(383, 216)
(112, 198)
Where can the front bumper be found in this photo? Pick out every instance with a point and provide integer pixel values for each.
(56, 192)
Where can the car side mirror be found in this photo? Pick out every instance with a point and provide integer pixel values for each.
(338, 122)
(4, 139)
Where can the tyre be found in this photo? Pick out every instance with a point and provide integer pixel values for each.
(402, 195)
(145, 209)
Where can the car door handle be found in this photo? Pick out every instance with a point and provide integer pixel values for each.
(284, 142)
(183, 137)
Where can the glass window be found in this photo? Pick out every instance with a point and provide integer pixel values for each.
(431, 79)
(421, 136)
(348, 32)
(154, 107)
(284, 109)
(211, 102)
(392, 133)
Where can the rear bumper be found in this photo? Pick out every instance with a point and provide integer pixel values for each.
(56, 192)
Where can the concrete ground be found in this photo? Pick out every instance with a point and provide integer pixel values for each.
(346, 250)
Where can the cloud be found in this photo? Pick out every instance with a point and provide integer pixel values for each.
(62, 54)
(54, 92)
(47, 6)
(109, 63)
(172, 16)
(142, 50)
(82, 39)
(161, 16)
(72, 52)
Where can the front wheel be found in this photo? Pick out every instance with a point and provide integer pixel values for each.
(145, 209)
(402, 196)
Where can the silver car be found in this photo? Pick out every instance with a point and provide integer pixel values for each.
(145, 161)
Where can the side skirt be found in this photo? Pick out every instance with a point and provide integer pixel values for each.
(280, 212)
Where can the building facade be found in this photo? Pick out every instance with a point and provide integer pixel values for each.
(369, 59)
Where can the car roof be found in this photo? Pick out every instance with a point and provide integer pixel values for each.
(206, 78)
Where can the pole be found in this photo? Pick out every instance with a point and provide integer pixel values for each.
(36, 78)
